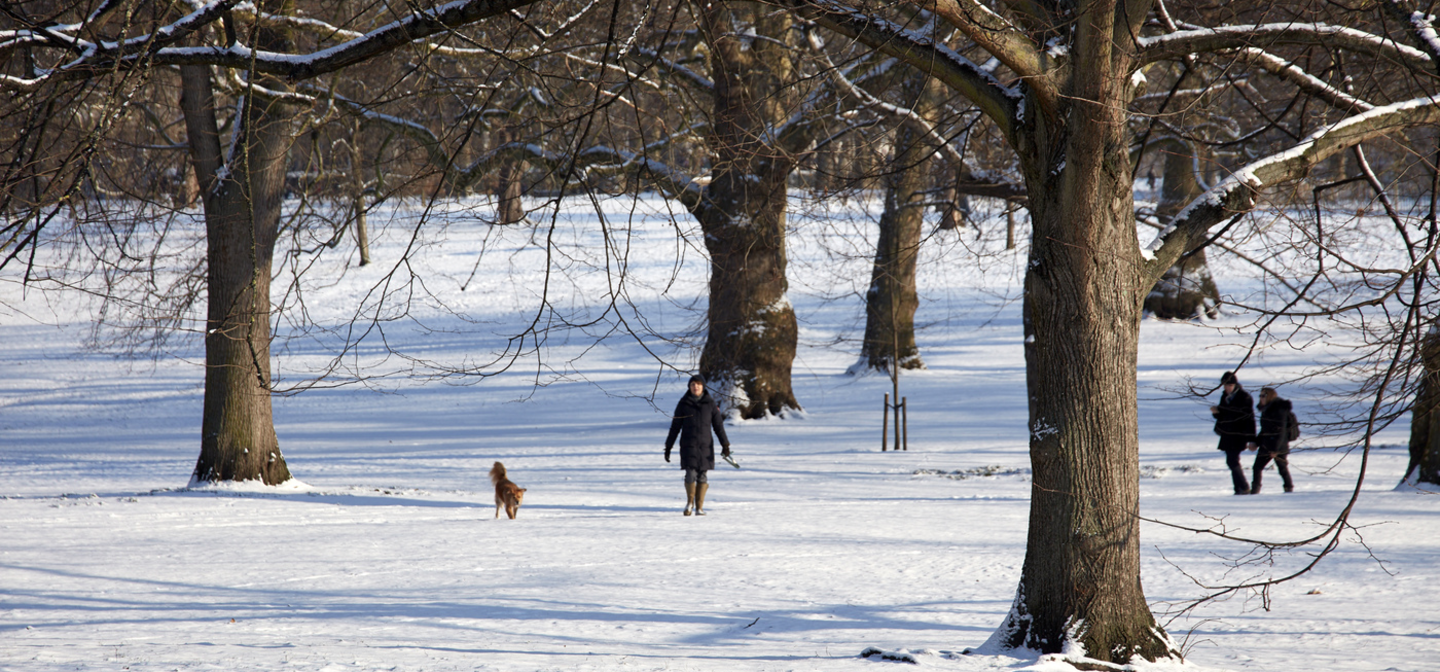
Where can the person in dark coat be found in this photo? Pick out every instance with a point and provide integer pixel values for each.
(695, 416)
(1273, 442)
(1235, 423)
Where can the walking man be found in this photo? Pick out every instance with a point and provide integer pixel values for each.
(1235, 423)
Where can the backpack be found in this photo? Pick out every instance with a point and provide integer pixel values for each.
(1293, 430)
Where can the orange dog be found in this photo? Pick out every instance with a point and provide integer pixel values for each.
(507, 494)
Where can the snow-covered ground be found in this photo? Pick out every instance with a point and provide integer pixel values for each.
(387, 554)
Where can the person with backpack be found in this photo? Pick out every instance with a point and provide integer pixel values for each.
(1278, 427)
(1235, 423)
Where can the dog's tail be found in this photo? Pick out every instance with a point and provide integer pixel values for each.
(497, 473)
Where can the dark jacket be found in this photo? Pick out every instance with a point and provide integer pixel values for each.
(693, 420)
(1235, 421)
(1274, 435)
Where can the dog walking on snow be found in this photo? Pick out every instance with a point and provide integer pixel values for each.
(507, 494)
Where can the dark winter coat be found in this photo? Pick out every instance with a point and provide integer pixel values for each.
(1235, 421)
(694, 418)
(1274, 435)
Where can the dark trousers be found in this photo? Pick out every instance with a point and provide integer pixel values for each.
(698, 476)
(1282, 465)
(1237, 472)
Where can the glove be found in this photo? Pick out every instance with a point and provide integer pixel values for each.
(725, 452)
(667, 454)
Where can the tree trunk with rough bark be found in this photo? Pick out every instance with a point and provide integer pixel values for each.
(1424, 464)
(1084, 286)
(1066, 119)
(751, 342)
(891, 301)
(1187, 291)
(1081, 577)
(242, 201)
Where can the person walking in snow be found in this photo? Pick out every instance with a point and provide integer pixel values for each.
(695, 416)
(1273, 442)
(1235, 423)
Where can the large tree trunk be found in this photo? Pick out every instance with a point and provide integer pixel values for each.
(891, 301)
(242, 214)
(1080, 582)
(1424, 464)
(1081, 577)
(1186, 291)
(751, 341)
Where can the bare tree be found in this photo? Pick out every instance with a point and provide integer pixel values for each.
(1186, 290)
(242, 183)
(1064, 108)
(891, 301)
(242, 198)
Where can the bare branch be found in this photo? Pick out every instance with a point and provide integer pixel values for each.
(1001, 103)
(1177, 45)
(95, 58)
(1240, 192)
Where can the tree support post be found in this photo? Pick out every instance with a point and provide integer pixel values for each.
(885, 425)
(905, 409)
(902, 424)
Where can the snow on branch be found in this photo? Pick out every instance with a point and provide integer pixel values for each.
(1004, 40)
(1002, 104)
(417, 26)
(435, 152)
(1189, 96)
(695, 130)
(1239, 193)
(93, 58)
(602, 158)
(1421, 26)
(564, 26)
(1303, 80)
(327, 30)
(1279, 67)
(649, 57)
(15, 39)
(324, 30)
(417, 132)
(905, 114)
(798, 132)
(678, 184)
(61, 34)
(1224, 38)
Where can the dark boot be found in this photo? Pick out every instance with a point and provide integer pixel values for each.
(700, 498)
(1282, 465)
(689, 498)
(1237, 472)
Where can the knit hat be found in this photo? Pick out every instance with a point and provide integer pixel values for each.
(697, 378)
(1228, 378)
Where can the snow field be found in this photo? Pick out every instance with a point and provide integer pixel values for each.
(387, 556)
